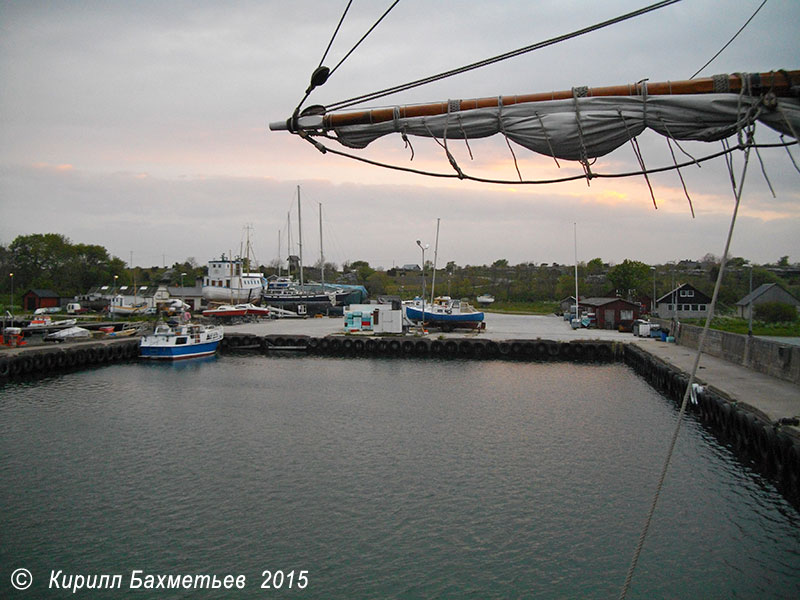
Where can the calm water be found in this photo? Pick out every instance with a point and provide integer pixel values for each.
(381, 479)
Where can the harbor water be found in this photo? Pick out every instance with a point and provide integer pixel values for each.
(379, 478)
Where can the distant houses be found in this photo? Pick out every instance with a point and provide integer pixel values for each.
(684, 302)
(768, 292)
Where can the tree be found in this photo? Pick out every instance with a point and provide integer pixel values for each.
(629, 276)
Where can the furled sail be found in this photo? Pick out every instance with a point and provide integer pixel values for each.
(581, 123)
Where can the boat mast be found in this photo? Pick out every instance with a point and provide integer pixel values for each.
(577, 310)
(279, 252)
(435, 256)
(300, 236)
(289, 243)
(321, 254)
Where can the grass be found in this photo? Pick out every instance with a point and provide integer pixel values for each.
(739, 325)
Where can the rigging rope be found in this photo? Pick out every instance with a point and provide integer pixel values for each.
(498, 58)
(730, 41)
(694, 161)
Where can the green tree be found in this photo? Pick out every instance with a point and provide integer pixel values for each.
(629, 276)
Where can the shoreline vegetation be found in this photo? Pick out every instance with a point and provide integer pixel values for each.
(53, 262)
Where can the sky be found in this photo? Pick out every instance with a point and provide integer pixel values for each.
(143, 127)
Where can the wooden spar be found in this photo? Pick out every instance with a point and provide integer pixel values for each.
(781, 83)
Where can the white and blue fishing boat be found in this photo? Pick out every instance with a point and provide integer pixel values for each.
(445, 313)
(172, 341)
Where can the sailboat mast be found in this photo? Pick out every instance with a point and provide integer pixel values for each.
(435, 256)
(300, 236)
(279, 252)
(575, 230)
(321, 253)
(289, 243)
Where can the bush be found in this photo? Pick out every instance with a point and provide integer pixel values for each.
(774, 312)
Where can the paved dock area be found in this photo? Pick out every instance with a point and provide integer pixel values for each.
(772, 397)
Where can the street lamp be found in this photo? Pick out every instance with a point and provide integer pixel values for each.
(750, 307)
(182, 294)
(653, 303)
(12, 295)
(423, 247)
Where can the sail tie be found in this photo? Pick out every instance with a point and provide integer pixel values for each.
(582, 92)
(402, 129)
(638, 152)
(680, 175)
(450, 158)
(547, 138)
(503, 131)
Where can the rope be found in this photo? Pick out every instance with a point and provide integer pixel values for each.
(363, 37)
(498, 58)
(721, 50)
(687, 392)
(695, 161)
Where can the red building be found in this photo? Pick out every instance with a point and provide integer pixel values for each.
(33, 299)
(612, 313)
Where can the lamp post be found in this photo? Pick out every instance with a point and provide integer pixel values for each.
(750, 307)
(423, 247)
(653, 303)
(11, 304)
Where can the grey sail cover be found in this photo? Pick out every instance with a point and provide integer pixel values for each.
(588, 127)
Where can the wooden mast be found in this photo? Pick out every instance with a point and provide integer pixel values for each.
(781, 83)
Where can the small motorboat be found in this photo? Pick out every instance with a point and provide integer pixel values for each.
(174, 341)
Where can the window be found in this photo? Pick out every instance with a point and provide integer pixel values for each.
(702, 307)
(626, 315)
(669, 306)
(694, 307)
(687, 293)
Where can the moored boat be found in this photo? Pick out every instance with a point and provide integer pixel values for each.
(178, 341)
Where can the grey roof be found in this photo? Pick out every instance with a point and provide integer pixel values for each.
(602, 301)
(43, 293)
(760, 291)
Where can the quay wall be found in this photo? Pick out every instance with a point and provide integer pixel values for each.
(765, 356)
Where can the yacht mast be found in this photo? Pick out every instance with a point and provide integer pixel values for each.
(300, 236)
(321, 253)
(435, 256)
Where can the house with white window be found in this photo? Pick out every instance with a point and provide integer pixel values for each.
(684, 302)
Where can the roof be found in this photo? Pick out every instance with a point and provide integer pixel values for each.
(760, 291)
(42, 293)
(604, 301)
(699, 297)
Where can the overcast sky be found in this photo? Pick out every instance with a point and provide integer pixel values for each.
(142, 126)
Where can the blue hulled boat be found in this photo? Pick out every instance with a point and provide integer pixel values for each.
(172, 341)
(444, 312)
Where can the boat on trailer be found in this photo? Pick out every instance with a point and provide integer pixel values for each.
(445, 312)
(173, 341)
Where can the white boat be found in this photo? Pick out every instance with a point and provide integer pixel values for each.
(485, 299)
(445, 312)
(179, 341)
(237, 310)
(120, 309)
(68, 334)
(228, 281)
(45, 321)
